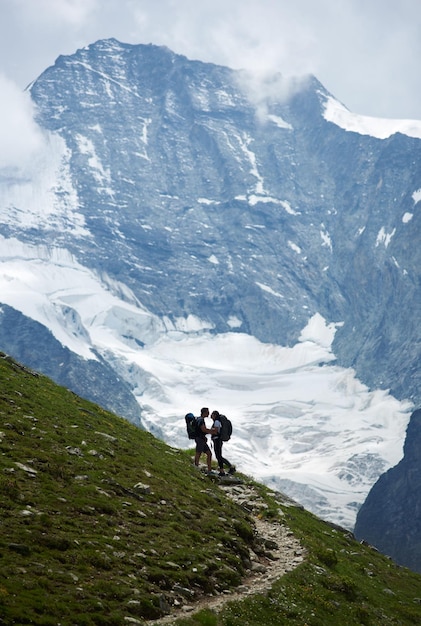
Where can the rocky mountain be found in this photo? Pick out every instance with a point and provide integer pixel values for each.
(265, 213)
(192, 198)
(390, 518)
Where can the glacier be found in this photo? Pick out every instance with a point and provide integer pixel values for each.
(302, 424)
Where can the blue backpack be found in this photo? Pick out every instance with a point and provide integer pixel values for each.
(191, 425)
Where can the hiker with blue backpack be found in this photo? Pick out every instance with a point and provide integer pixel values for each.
(221, 431)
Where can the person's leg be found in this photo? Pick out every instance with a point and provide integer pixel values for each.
(209, 458)
(208, 453)
(224, 461)
(221, 460)
(197, 454)
(200, 447)
(217, 446)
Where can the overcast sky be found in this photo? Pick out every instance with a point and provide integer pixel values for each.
(365, 52)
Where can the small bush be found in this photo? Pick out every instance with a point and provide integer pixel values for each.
(327, 557)
(54, 542)
(148, 608)
(100, 561)
(342, 585)
(244, 530)
(9, 489)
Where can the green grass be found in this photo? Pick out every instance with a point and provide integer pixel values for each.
(82, 543)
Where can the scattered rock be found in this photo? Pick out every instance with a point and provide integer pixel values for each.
(106, 436)
(142, 488)
(74, 451)
(95, 453)
(183, 591)
(20, 548)
(138, 489)
(25, 468)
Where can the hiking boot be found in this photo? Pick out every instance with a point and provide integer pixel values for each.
(221, 474)
(231, 470)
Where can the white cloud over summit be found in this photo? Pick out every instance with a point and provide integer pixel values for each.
(365, 53)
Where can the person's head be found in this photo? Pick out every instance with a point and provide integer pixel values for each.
(204, 412)
(215, 415)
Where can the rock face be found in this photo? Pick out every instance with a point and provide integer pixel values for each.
(390, 518)
(173, 181)
(37, 348)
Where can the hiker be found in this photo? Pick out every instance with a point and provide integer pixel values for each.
(201, 441)
(217, 445)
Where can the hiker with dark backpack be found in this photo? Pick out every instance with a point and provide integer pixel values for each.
(201, 440)
(221, 431)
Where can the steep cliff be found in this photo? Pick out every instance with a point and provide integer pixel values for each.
(390, 518)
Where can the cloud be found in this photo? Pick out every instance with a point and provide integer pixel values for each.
(69, 12)
(250, 35)
(20, 136)
(365, 53)
(275, 51)
(264, 89)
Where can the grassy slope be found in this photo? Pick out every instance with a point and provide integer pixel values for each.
(81, 544)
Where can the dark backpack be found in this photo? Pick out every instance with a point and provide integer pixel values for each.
(226, 428)
(191, 425)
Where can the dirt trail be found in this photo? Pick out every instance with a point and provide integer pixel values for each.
(282, 554)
